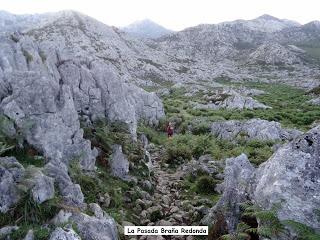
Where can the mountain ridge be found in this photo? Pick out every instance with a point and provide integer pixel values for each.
(146, 28)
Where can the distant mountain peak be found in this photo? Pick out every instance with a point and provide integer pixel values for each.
(146, 28)
(268, 17)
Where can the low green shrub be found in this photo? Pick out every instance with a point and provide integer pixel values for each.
(154, 136)
(39, 232)
(27, 211)
(205, 185)
(304, 232)
(201, 127)
(155, 216)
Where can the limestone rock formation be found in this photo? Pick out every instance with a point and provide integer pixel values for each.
(11, 172)
(29, 235)
(235, 101)
(289, 179)
(64, 234)
(70, 191)
(100, 226)
(5, 231)
(119, 163)
(252, 129)
(42, 186)
(274, 53)
(236, 189)
(315, 101)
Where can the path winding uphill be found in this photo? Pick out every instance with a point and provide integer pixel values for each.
(168, 205)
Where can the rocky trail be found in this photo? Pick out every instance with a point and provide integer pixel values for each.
(168, 206)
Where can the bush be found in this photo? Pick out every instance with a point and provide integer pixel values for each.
(40, 233)
(205, 185)
(155, 216)
(200, 127)
(304, 232)
(154, 136)
(177, 153)
(27, 211)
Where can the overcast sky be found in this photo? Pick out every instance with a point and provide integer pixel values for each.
(173, 14)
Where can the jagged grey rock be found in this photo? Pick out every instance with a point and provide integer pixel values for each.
(4, 231)
(30, 235)
(236, 101)
(71, 83)
(11, 172)
(315, 101)
(64, 234)
(119, 163)
(252, 129)
(71, 192)
(43, 188)
(101, 226)
(61, 218)
(205, 164)
(289, 179)
(236, 188)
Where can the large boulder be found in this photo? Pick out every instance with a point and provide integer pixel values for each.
(291, 177)
(119, 163)
(97, 226)
(239, 173)
(40, 185)
(100, 226)
(252, 129)
(70, 191)
(289, 180)
(11, 172)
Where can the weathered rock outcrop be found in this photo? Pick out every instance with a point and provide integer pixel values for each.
(236, 101)
(289, 178)
(98, 226)
(274, 53)
(252, 129)
(11, 172)
(119, 162)
(41, 186)
(48, 82)
(315, 101)
(239, 174)
(64, 234)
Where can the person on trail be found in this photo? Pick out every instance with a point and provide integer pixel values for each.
(170, 130)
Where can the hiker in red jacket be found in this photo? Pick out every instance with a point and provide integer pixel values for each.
(170, 130)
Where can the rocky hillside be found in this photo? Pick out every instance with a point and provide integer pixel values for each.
(83, 109)
(146, 29)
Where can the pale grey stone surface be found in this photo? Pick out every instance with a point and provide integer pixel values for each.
(64, 234)
(119, 162)
(11, 172)
(289, 179)
(258, 129)
(43, 188)
(4, 231)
